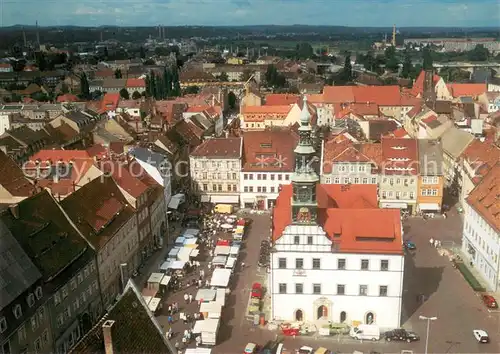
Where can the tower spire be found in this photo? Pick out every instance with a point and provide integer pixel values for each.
(394, 35)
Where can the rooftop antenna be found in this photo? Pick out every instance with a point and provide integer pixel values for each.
(24, 38)
(159, 31)
(394, 35)
(37, 35)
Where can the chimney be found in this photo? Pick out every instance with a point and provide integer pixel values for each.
(108, 340)
(14, 209)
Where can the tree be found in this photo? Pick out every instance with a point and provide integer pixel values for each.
(118, 74)
(40, 97)
(167, 82)
(346, 73)
(304, 51)
(391, 61)
(84, 86)
(106, 53)
(124, 94)
(274, 78)
(136, 95)
(427, 56)
(149, 62)
(407, 66)
(40, 61)
(176, 85)
(142, 53)
(64, 88)
(479, 53)
(231, 100)
(223, 77)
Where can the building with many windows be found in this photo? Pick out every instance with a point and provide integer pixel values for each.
(431, 177)
(268, 163)
(481, 236)
(215, 168)
(336, 257)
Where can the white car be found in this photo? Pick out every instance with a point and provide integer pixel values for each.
(305, 350)
(481, 336)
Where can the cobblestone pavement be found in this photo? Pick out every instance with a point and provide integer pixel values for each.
(449, 297)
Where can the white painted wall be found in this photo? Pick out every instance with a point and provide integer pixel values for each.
(4, 123)
(478, 235)
(268, 185)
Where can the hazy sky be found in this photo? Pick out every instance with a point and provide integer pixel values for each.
(457, 13)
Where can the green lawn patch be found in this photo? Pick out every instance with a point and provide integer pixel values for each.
(471, 279)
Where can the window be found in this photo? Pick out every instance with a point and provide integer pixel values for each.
(309, 240)
(67, 312)
(365, 264)
(205, 187)
(356, 180)
(264, 177)
(228, 176)
(34, 323)
(234, 176)
(60, 319)
(95, 285)
(3, 324)
(340, 289)
(250, 176)
(80, 278)
(45, 336)
(384, 194)
(38, 344)
(30, 300)
(272, 189)
(86, 271)
(316, 263)
(341, 264)
(299, 288)
(264, 189)
(272, 177)
(76, 304)
(336, 180)
(245, 176)
(245, 189)
(214, 187)
(287, 177)
(220, 187)
(250, 189)
(412, 195)
(363, 290)
(259, 176)
(384, 264)
(73, 284)
(374, 180)
(41, 314)
(282, 263)
(38, 292)
(365, 180)
(299, 263)
(316, 289)
(296, 240)
(64, 292)
(18, 312)
(382, 290)
(205, 175)
(282, 288)
(280, 177)
(21, 333)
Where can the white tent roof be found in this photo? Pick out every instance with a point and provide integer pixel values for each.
(198, 351)
(193, 232)
(205, 295)
(219, 260)
(154, 303)
(165, 280)
(173, 265)
(222, 250)
(155, 278)
(220, 277)
(220, 297)
(212, 308)
(208, 325)
(184, 254)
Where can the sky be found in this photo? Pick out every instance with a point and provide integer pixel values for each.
(370, 13)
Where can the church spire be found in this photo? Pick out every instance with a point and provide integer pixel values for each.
(304, 178)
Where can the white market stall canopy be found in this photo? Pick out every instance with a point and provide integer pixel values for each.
(198, 351)
(165, 280)
(175, 265)
(155, 278)
(179, 241)
(234, 250)
(220, 277)
(190, 242)
(147, 299)
(225, 199)
(212, 308)
(231, 261)
(220, 297)
(173, 252)
(195, 253)
(184, 254)
(205, 295)
(205, 198)
(222, 250)
(176, 200)
(219, 260)
(210, 325)
(194, 232)
(154, 303)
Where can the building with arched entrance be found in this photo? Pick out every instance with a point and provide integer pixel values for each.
(337, 257)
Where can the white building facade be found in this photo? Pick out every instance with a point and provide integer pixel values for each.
(259, 190)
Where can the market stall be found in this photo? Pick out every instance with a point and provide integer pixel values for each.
(210, 309)
(234, 251)
(179, 241)
(172, 254)
(230, 263)
(191, 242)
(219, 261)
(147, 299)
(220, 296)
(206, 295)
(154, 281)
(208, 330)
(198, 351)
(221, 250)
(184, 254)
(221, 277)
(173, 265)
(194, 232)
(155, 304)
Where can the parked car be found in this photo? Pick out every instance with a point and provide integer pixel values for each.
(401, 335)
(490, 301)
(257, 291)
(481, 336)
(411, 246)
(250, 348)
(305, 350)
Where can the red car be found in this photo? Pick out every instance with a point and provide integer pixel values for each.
(257, 291)
(490, 301)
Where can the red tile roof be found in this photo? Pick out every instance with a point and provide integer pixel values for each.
(230, 148)
(133, 83)
(350, 218)
(485, 198)
(332, 149)
(282, 109)
(399, 133)
(338, 94)
(13, 179)
(482, 155)
(281, 99)
(124, 177)
(269, 150)
(197, 108)
(110, 102)
(472, 90)
(379, 95)
(429, 119)
(418, 85)
(400, 156)
(67, 98)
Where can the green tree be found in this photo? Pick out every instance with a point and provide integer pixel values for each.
(304, 50)
(41, 61)
(84, 86)
(346, 73)
(142, 53)
(231, 100)
(391, 61)
(407, 66)
(427, 56)
(118, 74)
(479, 53)
(106, 53)
(124, 94)
(40, 97)
(223, 77)
(136, 95)
(167, 81)
(64, 88)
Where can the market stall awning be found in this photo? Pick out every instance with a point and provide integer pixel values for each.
(154, 303)
(165, 280)
(155, 278)
(225, 199)
(205, 295)
(220, 277)
(429, 206)
(174, 203)
(205, 198)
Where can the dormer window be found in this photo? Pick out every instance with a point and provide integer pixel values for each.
(18, 312)
(38, 292)
(30, 300)
(3, 324)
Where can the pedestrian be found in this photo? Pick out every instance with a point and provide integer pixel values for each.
(200, 283)
(184, 341)
(431, 241)
(436, 243)
(198, 341)
(190, 298)
(186, 297)
(186, 333)
(209, 266)
(170, 309)
(207, 283)
(176, 306)
(181, 316)
(170, 319)
(177, 345)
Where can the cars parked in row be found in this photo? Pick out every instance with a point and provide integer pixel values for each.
(401, 335)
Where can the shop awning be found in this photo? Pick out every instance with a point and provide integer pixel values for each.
(225, 199)
(394, 205)
(205, 198)
(174, 203)
(429, 206)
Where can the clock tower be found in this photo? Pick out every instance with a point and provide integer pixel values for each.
(304, 179)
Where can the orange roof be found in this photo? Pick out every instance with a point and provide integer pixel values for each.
(67, 98)
(124, 176)
(418, 85)
(333, 148)
(315, 98)
(130, 83)
(281, 99)
(400, 156)
(110, 102)
(482, 155)
(399, 133)
(380, 95)
(359, 109)
(60, 155)
(282, 109)
(198, 108)
(338, 94)
(485, 198)
(429, 119)
(461, 90)
(350, 218)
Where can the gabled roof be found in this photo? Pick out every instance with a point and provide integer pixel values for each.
(45, 234)
(133, 83)
(485, 198)
(110, 102)
(455, 141)
(281, 99)
(400, 156)
(280, 110)
(466, 90)
(338, 94)
(134, 328)
(482, 155)
(418, 85)
(229, 148)
(269, 150)
(98, 209)
(124, 176)
(12, 178)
